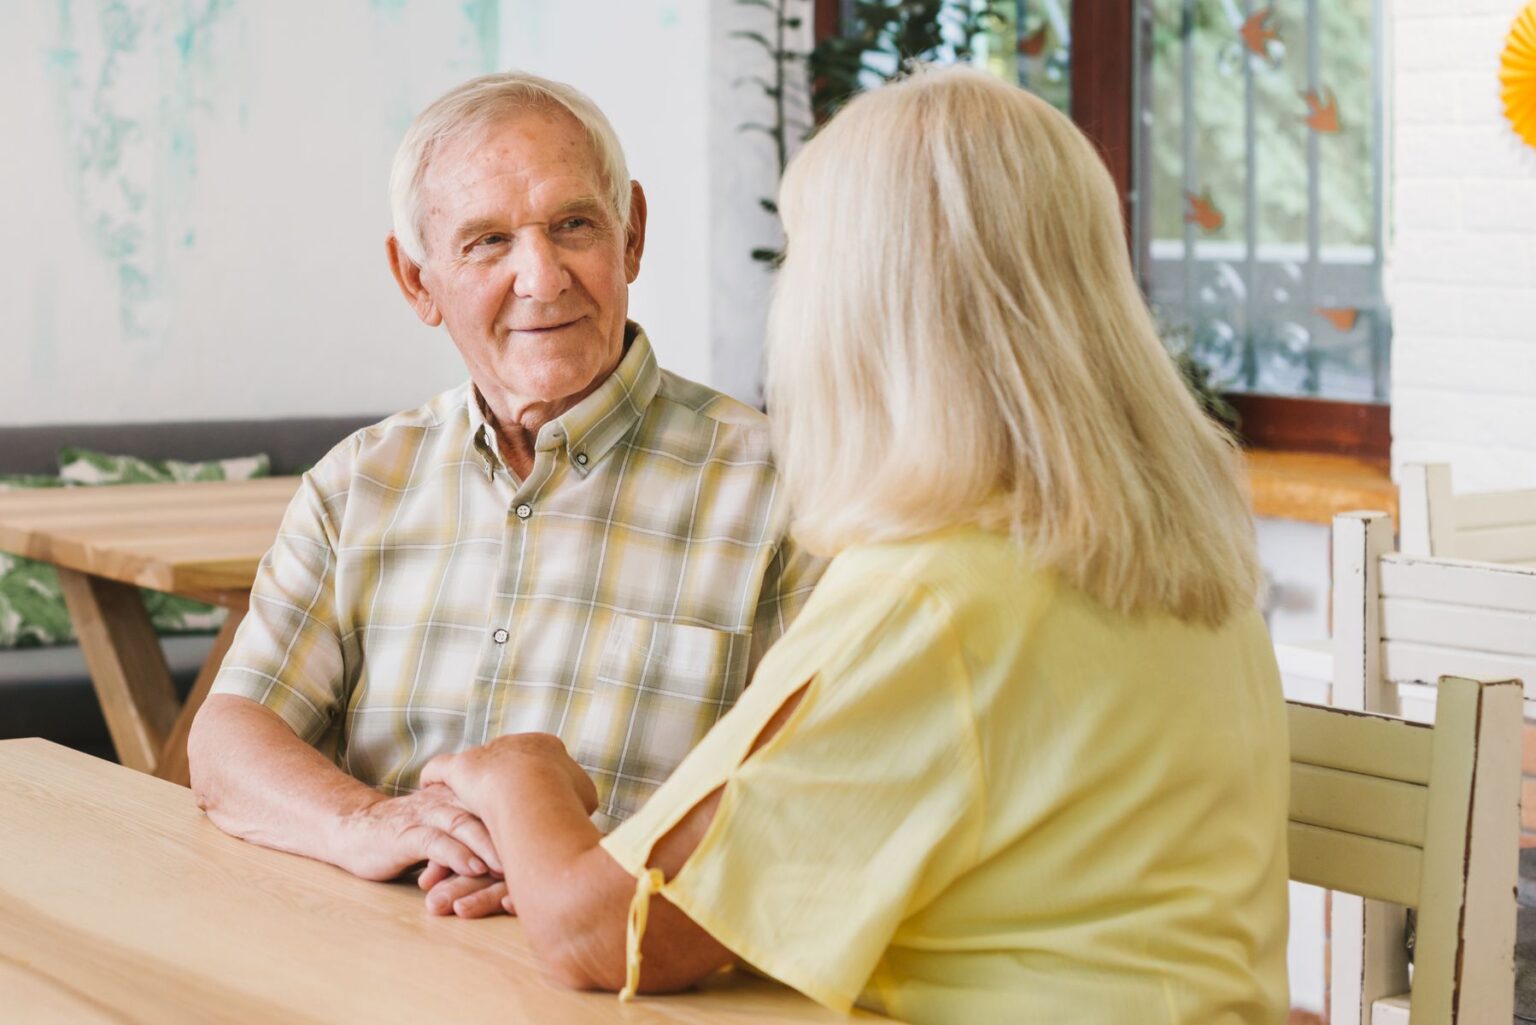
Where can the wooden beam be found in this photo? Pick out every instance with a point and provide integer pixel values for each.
(127, 665)
(1103, 73)
(1315, 425)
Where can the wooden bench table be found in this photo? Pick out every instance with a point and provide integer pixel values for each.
(120, 902)
(200, 541)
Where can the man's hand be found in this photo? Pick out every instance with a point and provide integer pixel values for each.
(386, 836)
(466, 896)
(473, 774)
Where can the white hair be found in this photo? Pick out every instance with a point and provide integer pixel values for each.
(481, 102)
(957, 337)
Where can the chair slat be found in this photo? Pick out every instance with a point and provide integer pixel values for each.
(1459, 626)
(1512, 588)
(1375, 869)
(1356, 742)
(1464, 955)
(1348, 802)
(1494, 509)
(1424, 663)
(1496, 544)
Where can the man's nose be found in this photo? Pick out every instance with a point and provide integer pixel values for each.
(540, 274)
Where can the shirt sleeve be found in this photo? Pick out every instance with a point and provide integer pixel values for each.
(287, 653)
(863, 807)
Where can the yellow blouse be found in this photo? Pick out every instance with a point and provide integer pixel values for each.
(997, 802)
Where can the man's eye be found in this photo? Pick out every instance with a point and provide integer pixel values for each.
(575, 223)
(487, 240)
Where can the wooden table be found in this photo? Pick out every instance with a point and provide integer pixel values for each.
(121, 903)
(201, 541)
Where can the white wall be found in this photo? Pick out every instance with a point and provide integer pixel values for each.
(194, 215)
(194, 201)
(1462, 265)
(645, 63)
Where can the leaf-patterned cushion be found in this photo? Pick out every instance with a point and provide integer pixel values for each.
(83, 466)
(170, 613)
(32, 610)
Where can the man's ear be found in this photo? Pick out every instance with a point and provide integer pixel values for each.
(408, 276)
(634, 233)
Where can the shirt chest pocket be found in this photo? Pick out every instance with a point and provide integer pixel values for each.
(658, 689)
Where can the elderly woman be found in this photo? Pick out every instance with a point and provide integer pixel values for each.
(1023, 756)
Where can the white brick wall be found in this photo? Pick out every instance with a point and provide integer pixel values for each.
(1461, 263)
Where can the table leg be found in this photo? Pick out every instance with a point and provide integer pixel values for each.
(127, 665)
(173, 756)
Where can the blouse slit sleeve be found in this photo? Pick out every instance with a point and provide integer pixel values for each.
(861, 808)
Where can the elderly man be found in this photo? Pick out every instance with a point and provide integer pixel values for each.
(573, 542)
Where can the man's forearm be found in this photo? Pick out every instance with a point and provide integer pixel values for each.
(257, 780)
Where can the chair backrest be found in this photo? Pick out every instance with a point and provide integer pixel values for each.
(1402, 620)
(1425, 817)
(1488, 526)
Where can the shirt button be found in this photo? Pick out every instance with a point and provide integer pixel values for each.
(581, 457)
(524, 511)
(500, 637)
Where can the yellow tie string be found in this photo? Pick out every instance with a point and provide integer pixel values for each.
(639, 910)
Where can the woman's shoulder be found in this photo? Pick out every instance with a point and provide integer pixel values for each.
(956, 570)
(959, 589)
(962, 556)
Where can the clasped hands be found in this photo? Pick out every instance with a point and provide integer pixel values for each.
(476, 780)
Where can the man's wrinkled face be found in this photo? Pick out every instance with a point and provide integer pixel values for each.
(526, 262)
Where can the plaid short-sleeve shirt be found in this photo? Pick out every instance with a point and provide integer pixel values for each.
(420, 599)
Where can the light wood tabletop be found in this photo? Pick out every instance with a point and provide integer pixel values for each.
(192, 539)
(200, 540)
(120, 902)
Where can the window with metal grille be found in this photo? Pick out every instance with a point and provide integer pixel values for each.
(1257, 205)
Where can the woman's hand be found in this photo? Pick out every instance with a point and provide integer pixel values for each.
(449, 893)
(474, 775)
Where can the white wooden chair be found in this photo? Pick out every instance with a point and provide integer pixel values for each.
(1488, 526)
(1425, 817)
(1399, 624)
(1402, 621)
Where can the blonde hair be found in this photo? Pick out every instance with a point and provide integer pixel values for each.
(485, 101)
(957, 337)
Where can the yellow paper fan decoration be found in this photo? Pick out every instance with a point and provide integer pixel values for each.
(1517, 74)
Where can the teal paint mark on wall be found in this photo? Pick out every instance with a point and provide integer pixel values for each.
(132, 81)
(485, 28)
(670, 18)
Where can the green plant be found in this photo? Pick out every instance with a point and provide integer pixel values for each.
(1197, 377)
(788, 16)
(885, 38)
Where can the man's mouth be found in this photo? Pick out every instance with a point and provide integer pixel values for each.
(543, 328)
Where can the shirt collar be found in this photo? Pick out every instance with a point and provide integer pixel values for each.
(591, 428)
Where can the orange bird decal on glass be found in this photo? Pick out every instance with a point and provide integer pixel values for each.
(1204, 212)
(1324, 117)
(1034, 45)
(1341, 317)
(1257, 33)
